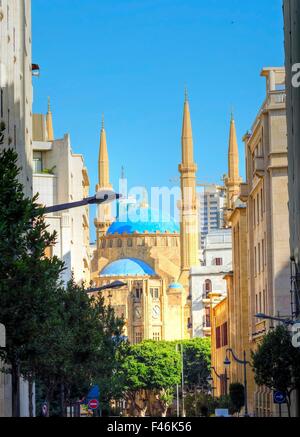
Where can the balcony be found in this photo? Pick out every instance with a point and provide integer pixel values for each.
(244, 192)
(258, 166)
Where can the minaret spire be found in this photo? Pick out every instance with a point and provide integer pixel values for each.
(187, 134)
(188, 209)
(49, 123)
(103, 162)
(104, 217)
(233, 151)
(233, 180)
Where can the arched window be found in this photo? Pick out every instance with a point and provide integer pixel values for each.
(119, 242)
(207, 288)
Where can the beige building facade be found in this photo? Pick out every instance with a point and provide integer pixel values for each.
(266, 196)
(292, 61)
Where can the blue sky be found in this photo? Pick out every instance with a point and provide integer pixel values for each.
(131, 59)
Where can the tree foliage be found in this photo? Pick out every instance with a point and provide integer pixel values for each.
(56, 334)
(276, 362)
(237, 396)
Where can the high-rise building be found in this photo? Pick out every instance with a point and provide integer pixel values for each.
(212, 201)
(15, 112)
(16, 83)
(60, 176)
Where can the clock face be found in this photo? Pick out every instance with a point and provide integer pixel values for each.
(156, 312)
(138, 312)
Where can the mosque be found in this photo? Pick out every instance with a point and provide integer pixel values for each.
(153, 254)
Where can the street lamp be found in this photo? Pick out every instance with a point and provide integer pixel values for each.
(220, 377)
(284, 320)
(102, 196)
(115, 284)
(243, 362)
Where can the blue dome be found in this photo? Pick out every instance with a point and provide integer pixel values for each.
(143, 220)
(175, 285)
(128, 267)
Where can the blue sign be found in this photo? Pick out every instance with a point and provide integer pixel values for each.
(94, 393)
(279, 397)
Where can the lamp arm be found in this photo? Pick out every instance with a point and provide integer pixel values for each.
(236, 358)
(216, 373)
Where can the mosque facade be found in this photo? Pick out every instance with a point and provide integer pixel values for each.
(151, 253)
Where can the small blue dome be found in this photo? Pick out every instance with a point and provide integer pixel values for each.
(127, 267)
(175, 285)
(141, 220)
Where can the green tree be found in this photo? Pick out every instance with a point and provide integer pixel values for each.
(237, 396)
(79, 347)
(276, 363)
(150, 369)
(26, 276)
(196, 362)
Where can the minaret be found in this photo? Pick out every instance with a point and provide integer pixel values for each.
(233, 181)
(104, 218)
(188, 205)
(49, 123)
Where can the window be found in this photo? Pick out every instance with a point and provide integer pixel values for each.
(1, 103)
(129, 242)
(138, 337)
(156, 336)
(37, 162)
(15, 135)
(262, 203)
(111, 243)
(258, 257)
(219, 261)
(218, 337)
(258, 216)
(254, 212)
(264, 301)
(255, 262)
(224, 335)
(154, 293)
(263, 254)
(119, 242)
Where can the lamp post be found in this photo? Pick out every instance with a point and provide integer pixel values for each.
(243, 362)
(221, 377)
(103, 196)
(113, 285)
(283, 320)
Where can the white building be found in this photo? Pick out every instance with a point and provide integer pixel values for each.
(211, 200)
(60, 176)
(16, 82)
(15, 112)
(207, 281)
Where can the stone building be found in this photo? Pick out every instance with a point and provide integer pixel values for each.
(15, 112)
(292, 61)
(207, 281)
(60, 176)
(219, 344)
(147, 250)
(266, 195)
(237, 280)
(16, 83)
